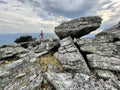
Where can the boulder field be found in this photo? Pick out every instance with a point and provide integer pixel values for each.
(87, 63)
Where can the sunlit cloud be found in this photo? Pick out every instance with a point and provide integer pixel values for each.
(36, 15)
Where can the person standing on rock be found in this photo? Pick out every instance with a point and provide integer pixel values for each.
(41, 36)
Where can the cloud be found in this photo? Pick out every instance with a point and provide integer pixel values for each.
(67, 8)
(21, 18)
(3, 2)
(36, 15)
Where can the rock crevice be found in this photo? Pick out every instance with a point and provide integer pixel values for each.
(78, 58)
(99, 55)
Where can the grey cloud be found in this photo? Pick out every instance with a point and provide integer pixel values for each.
(59, 11)
(68, 8)
(3, 2)
(35, 3)
(16, 6)
(22, 1)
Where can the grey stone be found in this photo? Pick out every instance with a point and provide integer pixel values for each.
(66, 41)
(12, 52)
(24, 39)
(45, 46)
(113, 83)
(102, 62)
(96, 47)
(23, 74)
(52, 68)
(70, 57)
(41, 53)
(65, 81)
(105, 74)
(78, 27)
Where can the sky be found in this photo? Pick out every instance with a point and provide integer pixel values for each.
(32, 16)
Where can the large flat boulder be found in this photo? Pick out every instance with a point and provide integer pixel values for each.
(78, 27)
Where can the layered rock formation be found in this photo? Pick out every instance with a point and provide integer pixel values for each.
(88, 64)
(12, 52)
(103, 51)
(99, 55)
(65, 81)
(20, 67)
(23, 74)
(70, 57)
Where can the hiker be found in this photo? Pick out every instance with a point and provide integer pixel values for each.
(41, 36)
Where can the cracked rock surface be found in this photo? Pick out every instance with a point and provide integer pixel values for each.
(70, 57)
(76, 63)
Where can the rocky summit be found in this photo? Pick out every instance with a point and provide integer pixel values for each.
(78, 27)
(68, 63)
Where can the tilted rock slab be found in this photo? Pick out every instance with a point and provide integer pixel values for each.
(65, 81)
(103, 51)
(70, 57)
(12, 52)
(47, 45)
(102, 55)
(22, 74)
(102, 62)
(78, 27)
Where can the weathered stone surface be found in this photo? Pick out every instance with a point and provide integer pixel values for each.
(101, 54)
(70, 57)
(114, 83)
(65, 81)
(66, 41)
(103, 51)
(105, 74)
(96, 47)
(102, 62)
(12, 52)
(52, 68)
(78, 27)
(47, 45)
(23, 74)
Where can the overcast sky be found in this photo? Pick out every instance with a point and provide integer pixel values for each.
(19, 16)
